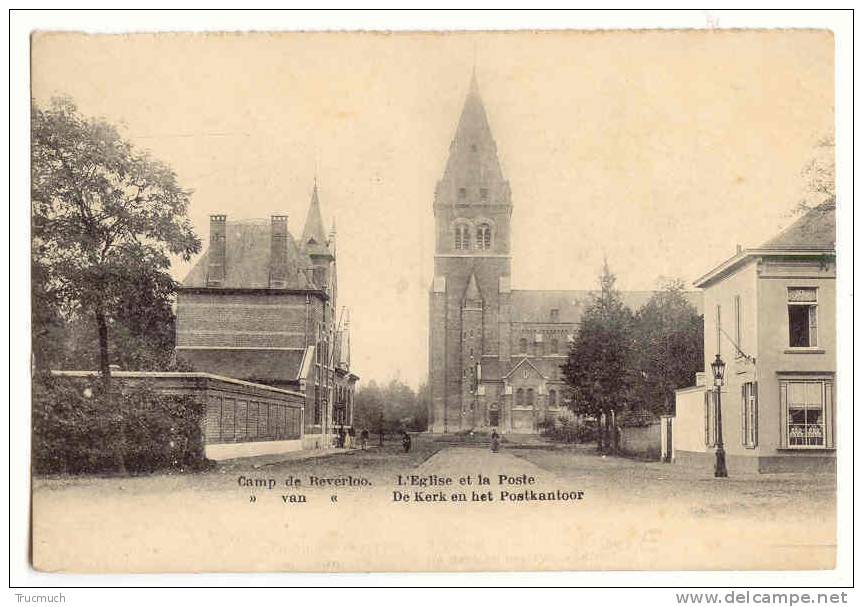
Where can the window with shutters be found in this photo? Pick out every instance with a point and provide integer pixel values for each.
(530, 396)
(552, 398)
(519, 396)
(807, 413)
(802, 317)
(749, 414)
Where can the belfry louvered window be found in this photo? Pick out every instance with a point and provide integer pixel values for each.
(483, 236)
(462, 237)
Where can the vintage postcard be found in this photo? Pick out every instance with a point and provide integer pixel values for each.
(434, 301)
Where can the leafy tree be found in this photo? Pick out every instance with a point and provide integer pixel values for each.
(819, 174)
(369, 407)
(106, 219)
(391, 408)
(669, 338)
(598, 369)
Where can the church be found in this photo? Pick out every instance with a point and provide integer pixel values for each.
(494, 351)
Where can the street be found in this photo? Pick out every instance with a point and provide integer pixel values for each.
(443, 506)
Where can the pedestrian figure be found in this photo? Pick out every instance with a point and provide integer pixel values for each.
(341, 436)
(349, 439)
(406, 441)
(364, 438)
(495, 441)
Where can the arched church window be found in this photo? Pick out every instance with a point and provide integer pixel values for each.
(462, 193)
(483, 236)
(462, 237)
(519, 396)
(530, 396)
(483, 194)
(539, 348)
(522, 345)
(554, 346)
(552, 398)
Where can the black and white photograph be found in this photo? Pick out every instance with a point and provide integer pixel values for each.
(370, 300)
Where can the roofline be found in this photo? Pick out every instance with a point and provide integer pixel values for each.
(175, 375)
(740, 258)
(252, 291)
(519, 363)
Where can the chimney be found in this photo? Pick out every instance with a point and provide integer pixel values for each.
(216, 254)
(278, 251)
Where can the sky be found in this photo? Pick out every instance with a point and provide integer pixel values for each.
(660, 151)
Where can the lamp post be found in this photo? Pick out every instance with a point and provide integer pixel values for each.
(718, 368)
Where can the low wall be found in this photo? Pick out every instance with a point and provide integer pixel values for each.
(641, 441)
(687, 429)
(241, 418)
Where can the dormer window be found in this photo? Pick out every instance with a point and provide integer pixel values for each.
(555, 315)
(462, 193)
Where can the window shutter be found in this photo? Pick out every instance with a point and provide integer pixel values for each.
(754, 414)
(813, 325)
(828, 414)
(783, 414)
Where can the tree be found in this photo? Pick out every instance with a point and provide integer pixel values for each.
(106, 219)
(819, 174)
(391, 408)
(669, 338)
(369, 407)
(598, 369)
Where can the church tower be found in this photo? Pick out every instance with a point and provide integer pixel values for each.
(469, 323)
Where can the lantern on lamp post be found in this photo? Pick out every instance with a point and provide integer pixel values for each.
(718, 368)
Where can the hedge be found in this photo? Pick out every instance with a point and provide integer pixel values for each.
(77, 430)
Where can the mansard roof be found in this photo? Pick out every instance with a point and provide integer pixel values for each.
(247, 259)
(536, 306)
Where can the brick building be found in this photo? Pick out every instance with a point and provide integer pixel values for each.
(260, 306)
(494, 352)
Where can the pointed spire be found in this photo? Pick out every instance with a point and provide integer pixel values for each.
(473, 172)
(314, 240)
(472, 293)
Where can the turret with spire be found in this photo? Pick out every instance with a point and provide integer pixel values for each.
(314, 240)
